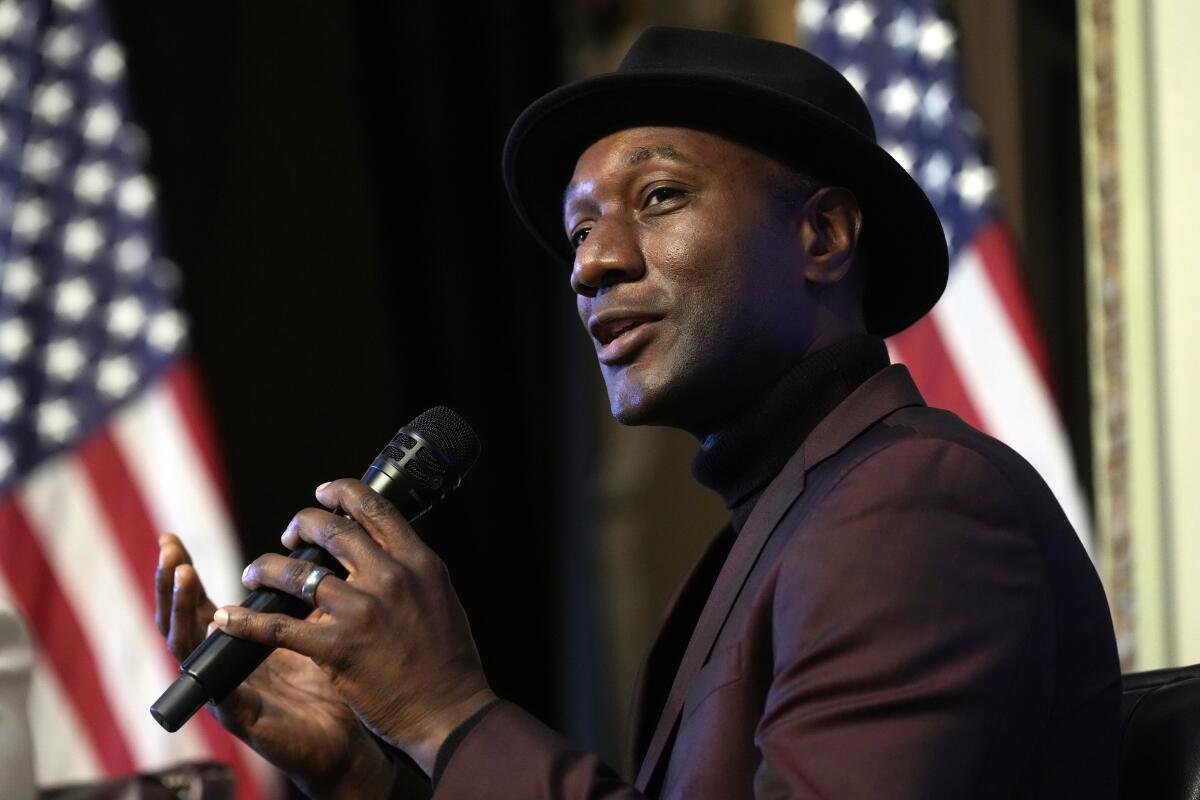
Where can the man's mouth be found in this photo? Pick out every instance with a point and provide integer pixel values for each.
(621, 334)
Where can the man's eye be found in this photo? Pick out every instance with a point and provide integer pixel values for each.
(662, 194)
(578, 236)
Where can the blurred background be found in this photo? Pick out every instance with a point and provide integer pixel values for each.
(243, 243)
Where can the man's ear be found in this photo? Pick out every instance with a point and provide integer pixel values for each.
(830, 222)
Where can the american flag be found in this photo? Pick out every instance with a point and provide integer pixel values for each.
(103, 438)
(979, 353)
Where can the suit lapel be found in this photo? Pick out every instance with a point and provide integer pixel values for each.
(880, 395)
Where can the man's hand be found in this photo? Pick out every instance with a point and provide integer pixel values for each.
(392, 637)
(287, 709)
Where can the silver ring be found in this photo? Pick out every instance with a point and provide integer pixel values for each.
(309, 590)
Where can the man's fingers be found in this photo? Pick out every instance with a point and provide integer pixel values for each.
(275, 630)
(289, 575)
(184, 630)
(343, 538)
(373, 512)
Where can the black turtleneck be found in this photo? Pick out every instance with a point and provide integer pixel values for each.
(738, 461)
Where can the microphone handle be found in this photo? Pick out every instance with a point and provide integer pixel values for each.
(222, 662)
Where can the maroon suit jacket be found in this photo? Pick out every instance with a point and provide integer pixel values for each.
(906, 613)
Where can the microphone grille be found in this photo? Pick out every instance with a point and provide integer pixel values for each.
(448, 434)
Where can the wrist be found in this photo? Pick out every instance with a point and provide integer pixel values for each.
(424, 751)
(369, 769)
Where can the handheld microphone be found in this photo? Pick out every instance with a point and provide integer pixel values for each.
(419, 467)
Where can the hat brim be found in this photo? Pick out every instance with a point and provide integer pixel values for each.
(902, 238)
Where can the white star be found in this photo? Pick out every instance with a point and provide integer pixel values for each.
(20, 279)
(93, 181)
(71, 5)
(56, 420)
(856, 76)
(132, 255)
(116, 376)
(7, 77)
(167, 330)
(6, 460)
(936, 39)
(899, 100)
(29, 218)
(936, 104)
(82, 239)
(936, 173)
(10, 399)
(974, 183)
(10, 18)
(135, 196)
(100, 124)
(74, 299)
(63, 45)
(108, 62)
(41, 159)
(3, 133)
(902, 154)
(126, 317)
(854, 20)
(14, 339)
(902, 32)
(64, 359)
(52, 103)
(810, 15)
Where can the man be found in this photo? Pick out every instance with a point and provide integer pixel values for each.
(898, 607)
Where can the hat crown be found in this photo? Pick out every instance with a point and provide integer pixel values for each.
(769, 65)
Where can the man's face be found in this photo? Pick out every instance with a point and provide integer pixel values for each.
(688, 271)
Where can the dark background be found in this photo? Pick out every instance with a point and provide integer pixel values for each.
(330, 186)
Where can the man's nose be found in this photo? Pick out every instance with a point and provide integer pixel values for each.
(609, 255)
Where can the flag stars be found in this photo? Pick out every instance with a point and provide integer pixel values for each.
(52, 103)
(82, 239)
(856, 76)
(975, 183)
(936, 173)
(64, 359)
(133, 254)
(935, 106)
(902, 153)
(810, 14)
(7, 462)
(10, 18)
(100, 124)
(14, 339)
(126, 317)
(10, 399)
(135, 196)
(63, 45)
(899, 100)
(41, 160)
(20, 279)
(854, 20)
(167, 330)
(74, 299)
(93, 181)
(30, 218)
(116, 376)
(108, 62)
(56, 420)
(903, 31)
(936, 39)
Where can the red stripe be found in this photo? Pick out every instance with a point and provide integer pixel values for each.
(185, 388)
(59, 637)
(137, 538)
(995, 247)
(924, 353)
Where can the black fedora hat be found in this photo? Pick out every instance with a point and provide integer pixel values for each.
(779, 99)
